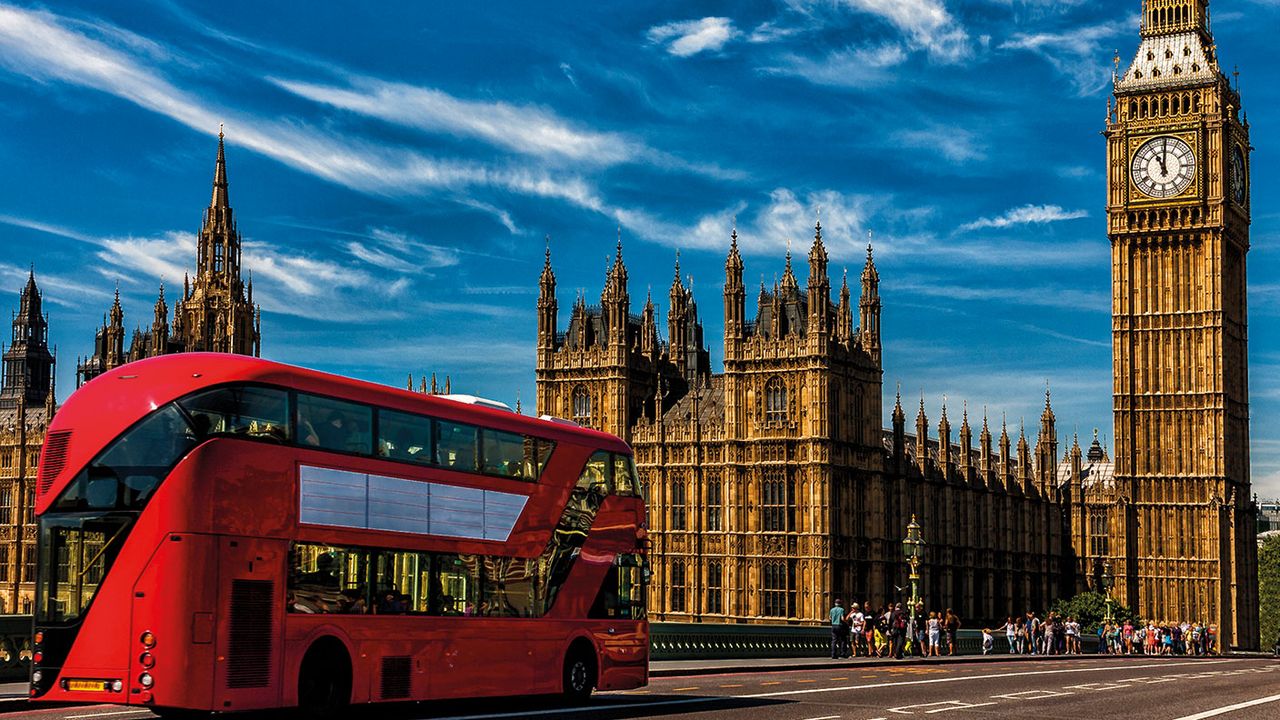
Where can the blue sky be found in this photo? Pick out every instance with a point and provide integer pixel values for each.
(395, 166)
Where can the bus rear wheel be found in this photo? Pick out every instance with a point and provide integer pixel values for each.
(579, 672)
(324, 681)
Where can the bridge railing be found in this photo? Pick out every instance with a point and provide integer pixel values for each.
(15, 647)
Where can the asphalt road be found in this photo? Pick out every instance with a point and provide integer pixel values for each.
(1145, 688)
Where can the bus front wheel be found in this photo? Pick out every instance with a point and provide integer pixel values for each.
(324, 681)
(579, 672)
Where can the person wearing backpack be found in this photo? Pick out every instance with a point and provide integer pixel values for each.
(897, 631)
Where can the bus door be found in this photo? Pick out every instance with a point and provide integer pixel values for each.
(250, 648)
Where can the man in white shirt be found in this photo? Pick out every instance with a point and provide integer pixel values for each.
(858, 626)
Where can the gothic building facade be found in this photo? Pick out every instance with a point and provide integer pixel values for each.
(27, 406)
(773, 487)
(1180, 534)
(216, 312)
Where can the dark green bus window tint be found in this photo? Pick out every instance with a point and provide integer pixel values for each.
(456, 446)
(335, 425)
(503, 454)
(239, 410)
(405, 437)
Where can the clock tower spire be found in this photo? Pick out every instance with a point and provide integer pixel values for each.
(1178, 219)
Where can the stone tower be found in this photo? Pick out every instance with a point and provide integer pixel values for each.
(215, 312)
(1178, 219)
(28, 364)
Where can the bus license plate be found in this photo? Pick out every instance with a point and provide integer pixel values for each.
(86, 686)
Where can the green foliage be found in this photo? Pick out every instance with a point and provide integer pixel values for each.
(1269, 590)
(1090, 608)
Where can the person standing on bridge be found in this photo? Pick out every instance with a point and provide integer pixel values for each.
(839, 632)
(952, 626)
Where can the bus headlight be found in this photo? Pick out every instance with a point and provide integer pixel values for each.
(146, 681)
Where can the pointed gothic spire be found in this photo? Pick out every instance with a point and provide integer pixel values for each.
(220, 198)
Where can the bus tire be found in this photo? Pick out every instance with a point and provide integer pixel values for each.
(579, 671)
(324, 680)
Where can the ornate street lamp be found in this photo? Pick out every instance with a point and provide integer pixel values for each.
(1105, 582)
(913, 549)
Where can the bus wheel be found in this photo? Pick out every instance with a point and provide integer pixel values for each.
(579, 672)
(324, 682)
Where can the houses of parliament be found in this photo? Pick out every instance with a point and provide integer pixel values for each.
(774, 490)
(774, 486)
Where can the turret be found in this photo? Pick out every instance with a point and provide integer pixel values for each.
(615, 302)
(899, 433)
(1047, 446)
(547, 305)
(819, 288)
(869, 308)
(159, 326)
(922, 439)
(735, 296)
(985, 455)
(677, 316)
(944, 441)
(966, 448)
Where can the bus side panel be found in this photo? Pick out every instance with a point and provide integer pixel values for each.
(482, 657)
(175, 599)
(251, 600)
(624, 655)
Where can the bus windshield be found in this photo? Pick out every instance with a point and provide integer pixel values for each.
(76, 552)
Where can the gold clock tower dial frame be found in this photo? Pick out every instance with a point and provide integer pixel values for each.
(1181, 538)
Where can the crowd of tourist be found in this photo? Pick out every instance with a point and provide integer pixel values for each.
(1196, 639)
(891, 631)
(896, 631)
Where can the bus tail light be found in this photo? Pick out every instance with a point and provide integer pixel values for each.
(147, 660)
(148, 640)
(38, 657)
(39, 637)
(146, 681)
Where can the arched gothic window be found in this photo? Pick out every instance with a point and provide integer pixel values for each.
(677, 586)
(775, 401)
(715, 591)
(581, 406)
(778, 594)
(679, 511)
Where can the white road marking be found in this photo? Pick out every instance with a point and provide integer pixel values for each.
(826, 717)
(139, 713)
(966, 678)
(1032, 695)
(938, 707)
(1100, 686)
(1231, 708)
(604, 707)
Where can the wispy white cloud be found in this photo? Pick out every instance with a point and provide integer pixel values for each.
(1078, 54)
(1026, 215)
(689, 37)
(946, 142)
(924, 24)
(855, 67)
(47, 47)
(525, 129)
(1055, 297)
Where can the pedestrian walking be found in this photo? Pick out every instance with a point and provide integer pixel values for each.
(839, 632)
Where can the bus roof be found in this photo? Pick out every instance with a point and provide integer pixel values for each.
(106, 406)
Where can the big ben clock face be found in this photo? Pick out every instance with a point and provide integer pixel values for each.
(1164, 167)
(1239, 180)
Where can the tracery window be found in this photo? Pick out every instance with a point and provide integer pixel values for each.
(715, 591)
(778, 593)
(1099, 544)
(677, 586)
(777, 502)
(714, 504)
(775, 401)
(679, 509)
(581, 406)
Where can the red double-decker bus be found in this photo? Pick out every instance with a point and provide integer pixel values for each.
(221, 533)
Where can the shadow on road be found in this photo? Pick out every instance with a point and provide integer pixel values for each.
(609, 707)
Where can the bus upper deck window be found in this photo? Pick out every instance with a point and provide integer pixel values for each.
(335, 424)
(404, 437)
(504, 454)
(240, 410)
(456, 446)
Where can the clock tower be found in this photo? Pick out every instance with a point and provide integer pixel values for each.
(1178, 219)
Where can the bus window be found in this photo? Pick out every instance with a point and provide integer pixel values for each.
(124, 476)
(328, 580)
(624, 476)
(509, 587)
(241, 410)
(595, 476)
(455, 585)
(504, 454)
(76, 553)
(622, 595)
(334, 424)
(542, 454)
(400, 582)
(404, 437)
(456, 446)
